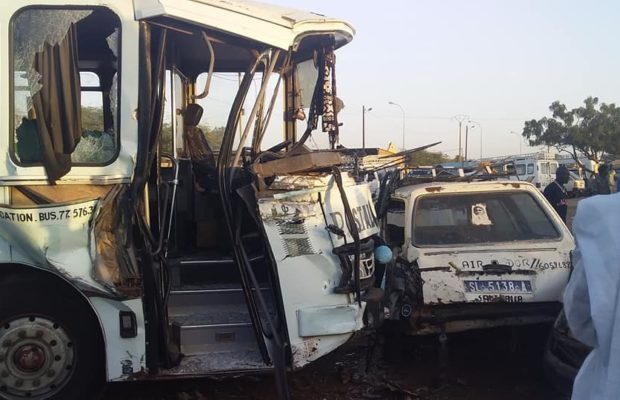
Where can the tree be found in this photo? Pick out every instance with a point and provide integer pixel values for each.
(214, 137)
(92, 119)
(592, 129)
(427, 158)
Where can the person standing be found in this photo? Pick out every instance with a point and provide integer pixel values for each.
(602, 180)
(592, 297)
(555, 192)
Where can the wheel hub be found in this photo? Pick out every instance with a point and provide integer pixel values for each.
(36, 357)
(29, 358)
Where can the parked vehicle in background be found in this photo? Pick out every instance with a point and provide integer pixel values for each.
(536, 168)
(576, 186)
(585, 169)
(581, 167)
(473, 254)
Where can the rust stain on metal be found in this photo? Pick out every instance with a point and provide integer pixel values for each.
(514, 185)
(138, 376)
(303, 352)
(434, 189)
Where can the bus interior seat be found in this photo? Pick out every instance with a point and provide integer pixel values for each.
(197, 203)
(198, 149)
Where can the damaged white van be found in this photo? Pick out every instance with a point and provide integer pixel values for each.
(474, 255)
(150, 225)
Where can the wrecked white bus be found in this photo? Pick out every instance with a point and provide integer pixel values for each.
(143, 238)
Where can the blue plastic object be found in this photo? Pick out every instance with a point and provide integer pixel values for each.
(383, 254)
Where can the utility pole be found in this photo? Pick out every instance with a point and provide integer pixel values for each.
(460, 146)
(466, 140)
(364, 111)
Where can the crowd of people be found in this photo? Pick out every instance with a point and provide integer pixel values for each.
(604, 182)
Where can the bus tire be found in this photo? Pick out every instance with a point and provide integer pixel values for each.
(51, 346)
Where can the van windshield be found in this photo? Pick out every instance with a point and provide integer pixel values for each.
(482, 217)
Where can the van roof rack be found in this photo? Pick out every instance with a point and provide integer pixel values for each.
(485, 173)
(539, 155)
(398, 178)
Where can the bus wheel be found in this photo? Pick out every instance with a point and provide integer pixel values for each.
(48, 348)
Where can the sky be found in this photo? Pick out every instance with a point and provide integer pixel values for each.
(499, 63)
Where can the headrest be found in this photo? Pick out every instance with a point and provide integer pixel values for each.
(192, 114)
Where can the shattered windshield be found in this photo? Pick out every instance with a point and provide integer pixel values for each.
(65, 91)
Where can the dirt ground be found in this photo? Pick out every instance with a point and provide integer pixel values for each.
(493, 364)
(572, 207)
(479, 365)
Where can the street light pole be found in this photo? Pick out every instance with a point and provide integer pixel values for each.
(364, 111)
(477, 124)
(403, 111)
(460, 118)
(467, 136)
(460, 144)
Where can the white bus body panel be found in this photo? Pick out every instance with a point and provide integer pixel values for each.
(124, 356)
(318, 319)
(60, 239)
(276, 26)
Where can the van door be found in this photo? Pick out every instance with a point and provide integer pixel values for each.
(544, 175)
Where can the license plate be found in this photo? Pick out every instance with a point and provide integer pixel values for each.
(497, 286)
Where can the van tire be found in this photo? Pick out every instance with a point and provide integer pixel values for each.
(58, 329)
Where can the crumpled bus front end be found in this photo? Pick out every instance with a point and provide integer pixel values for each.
(326, 295)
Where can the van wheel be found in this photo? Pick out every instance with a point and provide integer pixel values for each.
(50, 346)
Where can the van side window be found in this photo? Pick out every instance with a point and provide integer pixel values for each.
(530, 169)
(520, 168)
(65, 87)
